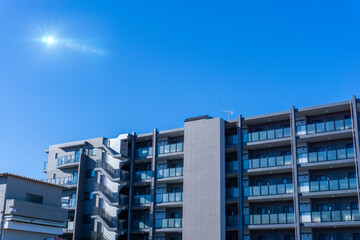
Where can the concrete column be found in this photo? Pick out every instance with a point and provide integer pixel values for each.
(356, 132)
(295, 174)
(153, 186)
(131, 182)
(81, 178)
(240, 178)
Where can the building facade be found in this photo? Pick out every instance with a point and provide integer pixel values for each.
(287, 175)
(30, 209)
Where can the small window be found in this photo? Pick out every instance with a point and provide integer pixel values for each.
(86, 219)
(92, 151)
(90, 173)
(89, 196)
(34, 198)
(56, 155)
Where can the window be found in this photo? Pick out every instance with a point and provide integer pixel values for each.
(88, 196)
(90, 173)
(92, 151)
(34, 198)
(56, 155)
(86, 219)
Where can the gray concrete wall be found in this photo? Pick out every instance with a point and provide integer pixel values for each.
(16, 235)
(204, 180)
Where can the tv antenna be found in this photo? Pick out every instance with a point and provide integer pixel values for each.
(230, 113)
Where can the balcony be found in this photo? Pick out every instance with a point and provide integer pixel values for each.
(143, 175)
(232, 192)
(45, 166)
(70, 205)
(142, 199)
(231, 166)
(98, 236)
(232, 221)
(113, 198)
(111, 223)
(68, 161)
(111, 172)
(168, 223)
(169, 197)
(271, 218)
(70, 181)
(268, 162)
(140, 224)
(324, 127)
(329, 155)
(231, 141)
(144, 152)
(171, 148)
(269, 190)
(69, 228)
(169, 173)
(266, 135)
(331, 216)
(328, 185)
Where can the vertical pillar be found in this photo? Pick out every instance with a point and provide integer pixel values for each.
(81, 178)
(131, 182)
(356, 131)
(240, 179)
(153, 186)
(295, 173)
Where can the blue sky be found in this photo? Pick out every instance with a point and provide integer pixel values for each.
(123, 66)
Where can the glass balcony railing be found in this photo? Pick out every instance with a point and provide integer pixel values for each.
(330, 216)
(329, 155)
(45, 165)
(69, 227)
(142, 199)
(144, 152)
(271, 218)
(143, 175)
(69, 205)
(266, 135)
(74, 158)
(168, 223)
(171, 148)
(232, 192)
(324, 127)
(141, 224)
(72, 180)
(231, 140)
(169, 197)
(232, 166)
(268, 190)
(232, 220)
(268, 162)
(328, 185)
(170, 172)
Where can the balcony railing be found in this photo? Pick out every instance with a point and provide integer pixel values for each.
(69, 227)
(324, 127)
(329, 155)
(232, 166)
(169, 197)
(330, 216)
(268, 162)
(268, 190)
(231, 140)
(98, 236)
(232, 192)
(232, 220)
(113, 197)
(143, 175)
(74, 158)
(144, 152)
(114, 173)
(271, 218)
(168, 223)
(142, 199)
(72, 180)
(112, 222)
(328, 185)
(45, 165)
(266, 135)
(69, 205)
(170, 172)
(140, 224)
(171, 148)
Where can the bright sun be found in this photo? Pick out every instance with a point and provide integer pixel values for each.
(49, 40)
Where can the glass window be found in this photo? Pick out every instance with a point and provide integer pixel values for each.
(88, 196)
(56, 155)
(34, 198)
(92, 151)
(90, 173)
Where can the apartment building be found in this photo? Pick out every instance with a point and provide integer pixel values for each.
(287, 175)
(30, 209)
